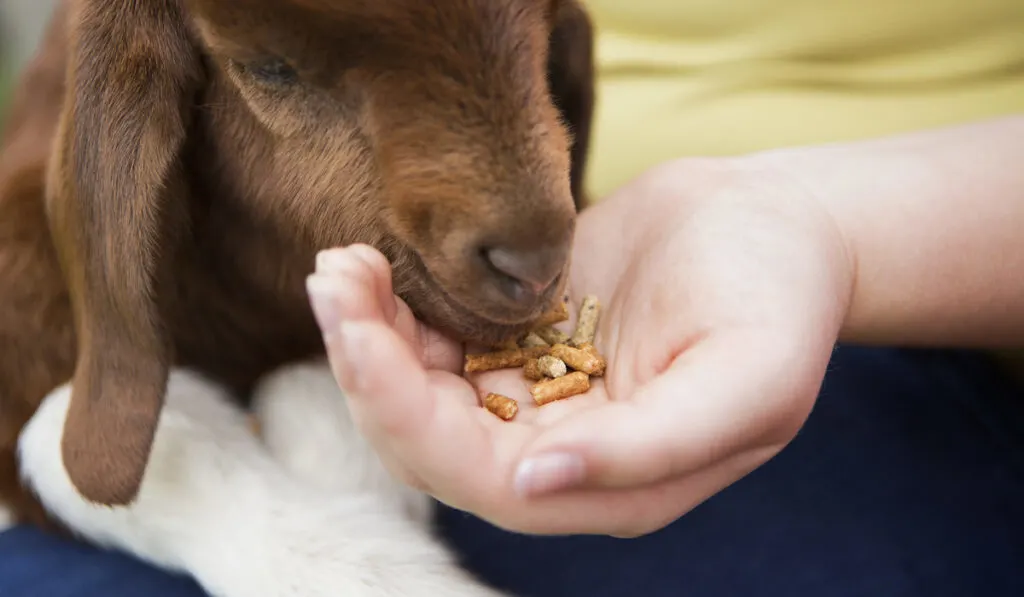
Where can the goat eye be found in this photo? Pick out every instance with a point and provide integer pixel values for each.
(273, 71)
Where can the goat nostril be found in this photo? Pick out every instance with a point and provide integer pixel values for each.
(528, 273)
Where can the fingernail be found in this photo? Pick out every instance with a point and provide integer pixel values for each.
(548, 473)
(323, 298)
(329, 260)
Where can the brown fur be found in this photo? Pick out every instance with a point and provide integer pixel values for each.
(162, 195)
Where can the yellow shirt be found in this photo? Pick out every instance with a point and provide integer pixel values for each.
(716, 77)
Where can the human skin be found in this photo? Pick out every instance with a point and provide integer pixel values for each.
(726, 284)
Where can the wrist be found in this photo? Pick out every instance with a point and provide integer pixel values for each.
(930, 222)
(826, 241)
(770, 206)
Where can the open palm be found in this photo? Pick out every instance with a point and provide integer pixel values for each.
(722, 300)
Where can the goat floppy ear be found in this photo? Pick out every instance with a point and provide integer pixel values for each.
(571, 76)
(116, 208)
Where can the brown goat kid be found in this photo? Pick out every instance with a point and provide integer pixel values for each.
(170, 168)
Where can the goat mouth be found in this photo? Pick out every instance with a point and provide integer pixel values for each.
(465, 323)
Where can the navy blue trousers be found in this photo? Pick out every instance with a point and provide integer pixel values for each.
(907, 480)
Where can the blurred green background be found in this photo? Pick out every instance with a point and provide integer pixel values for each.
(21, 25)
(5, 78)
(6, 62)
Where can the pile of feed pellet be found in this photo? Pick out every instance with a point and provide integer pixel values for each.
(560, 365)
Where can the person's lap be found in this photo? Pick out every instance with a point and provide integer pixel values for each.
(908, 479)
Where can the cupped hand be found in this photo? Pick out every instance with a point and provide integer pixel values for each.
(723, 289)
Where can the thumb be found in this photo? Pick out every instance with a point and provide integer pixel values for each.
(725, 396)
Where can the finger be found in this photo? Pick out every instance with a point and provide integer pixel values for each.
(429, 422)
(388, 387)
(621, 512)
(346, 294)
(729, 394)
(380, 270)
(365, 265)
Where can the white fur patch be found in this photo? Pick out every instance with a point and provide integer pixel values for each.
(315, 515)
(306, 425)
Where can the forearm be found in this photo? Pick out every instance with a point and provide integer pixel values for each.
(934, 226)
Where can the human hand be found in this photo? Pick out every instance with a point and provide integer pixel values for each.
(724, 290)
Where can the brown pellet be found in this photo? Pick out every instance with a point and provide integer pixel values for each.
(502, 406)
(550, 366)
(545, 367)
(557, 315)
(552, 335)
(586, 321)
(503, 359)
(580, 360)
(560, 365)
(545, 392)
(532, 340)
(531, 370)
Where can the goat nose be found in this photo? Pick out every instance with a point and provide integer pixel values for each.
(527, 273)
